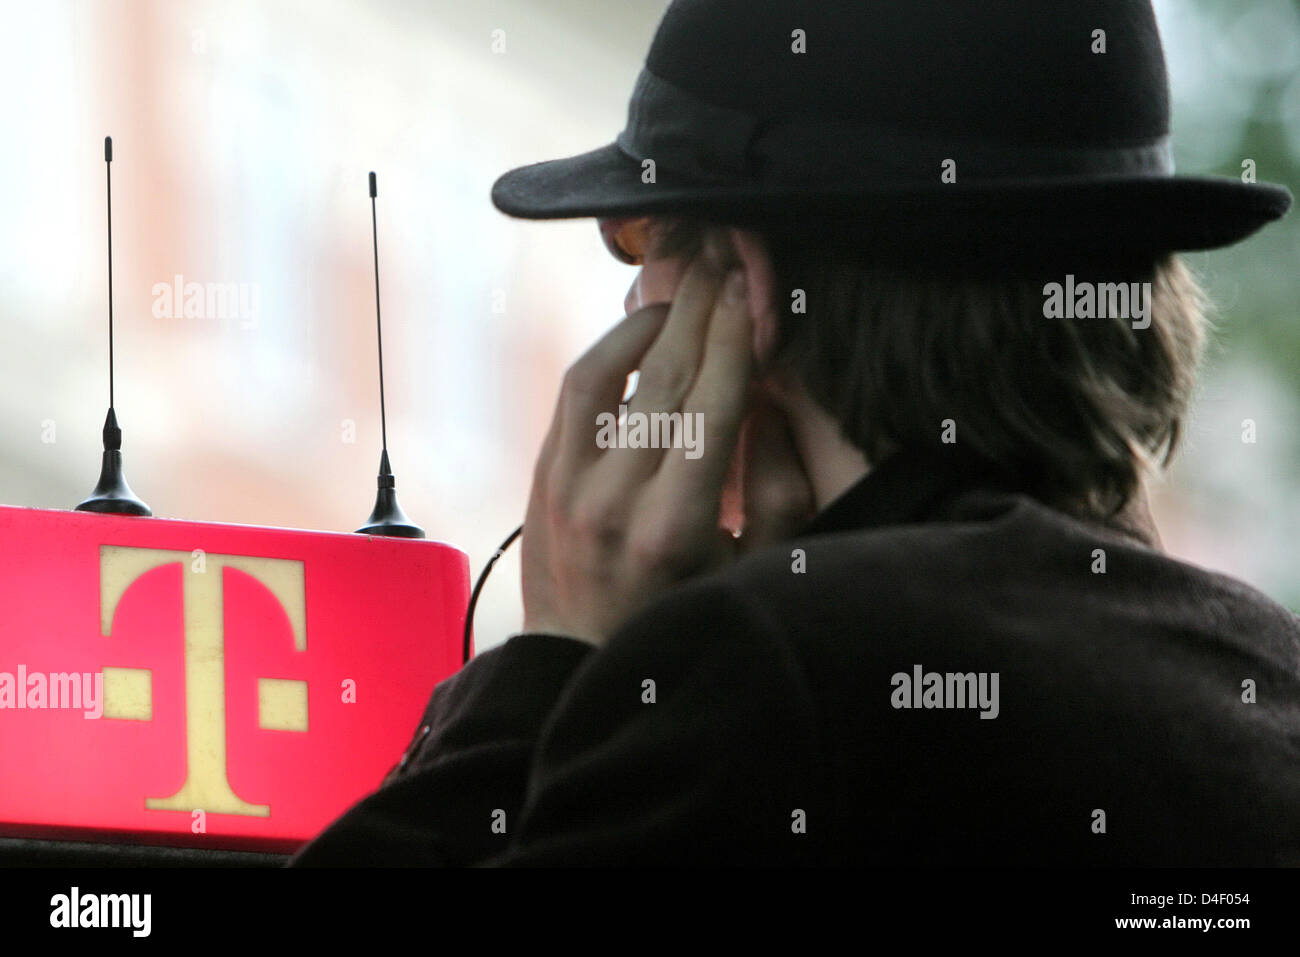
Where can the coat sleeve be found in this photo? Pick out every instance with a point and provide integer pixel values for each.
(689, 738)
(480, 729)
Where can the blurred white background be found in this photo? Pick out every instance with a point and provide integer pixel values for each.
(242, 135)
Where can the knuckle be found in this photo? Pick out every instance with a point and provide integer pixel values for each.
(663, 379)
(580, 379)
(663, 546)
(651, 548)
(594, 520)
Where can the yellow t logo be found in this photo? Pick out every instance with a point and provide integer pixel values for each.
(282, 703)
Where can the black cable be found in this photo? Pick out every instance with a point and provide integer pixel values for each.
(478, 587)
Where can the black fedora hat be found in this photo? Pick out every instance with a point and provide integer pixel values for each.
(934, 123)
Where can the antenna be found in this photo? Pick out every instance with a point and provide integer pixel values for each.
(112, 494)
(387, 517)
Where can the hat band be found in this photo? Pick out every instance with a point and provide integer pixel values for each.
(716, 144)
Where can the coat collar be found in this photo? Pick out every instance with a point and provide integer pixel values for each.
(913, 486)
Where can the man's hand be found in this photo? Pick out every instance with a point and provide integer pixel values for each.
(608, 530)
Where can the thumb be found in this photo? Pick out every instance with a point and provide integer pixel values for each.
(778, 499)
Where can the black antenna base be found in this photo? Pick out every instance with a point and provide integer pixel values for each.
(112, 495)
(388, 518)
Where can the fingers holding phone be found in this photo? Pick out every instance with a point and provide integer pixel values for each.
(611, 525)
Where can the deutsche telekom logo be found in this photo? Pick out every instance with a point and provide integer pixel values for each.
(128, 692)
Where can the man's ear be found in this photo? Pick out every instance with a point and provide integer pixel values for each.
(761, 280)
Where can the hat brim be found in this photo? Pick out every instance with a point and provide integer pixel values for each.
(1151, 213)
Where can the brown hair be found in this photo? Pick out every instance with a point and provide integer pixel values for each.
(1077, 409)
